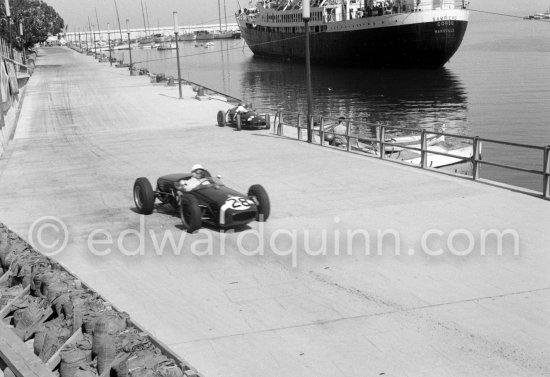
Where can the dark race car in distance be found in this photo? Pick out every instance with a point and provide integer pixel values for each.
(210, 202)
(248, 120)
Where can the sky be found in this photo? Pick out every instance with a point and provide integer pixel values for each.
(76, 12)
(191, 12)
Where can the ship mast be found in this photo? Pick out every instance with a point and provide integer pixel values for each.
(147, 13)
(225, 13)
(220, 15)
(118, 18)
(143, 16)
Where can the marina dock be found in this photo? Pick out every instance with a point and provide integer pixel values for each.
(365, 267)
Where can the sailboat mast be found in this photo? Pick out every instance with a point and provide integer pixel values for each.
(143, 16)
(118, 19)
(220, 15)
(147, 14)
(97, 20)
(225, 12)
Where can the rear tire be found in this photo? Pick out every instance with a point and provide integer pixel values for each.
(144, 196)
(190, 213)
(221, 118)
(259, 195)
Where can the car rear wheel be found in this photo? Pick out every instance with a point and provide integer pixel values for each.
(190, 213)
(239, 122)
(260, 197)
(221, 118)
(144, 196)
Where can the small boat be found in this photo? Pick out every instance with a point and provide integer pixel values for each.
(435, 143)
(223, 35)
(167, 46)
(159, 38)
(133, 46)
(411, 141)
(208, 44)
(437, 161)
(203, 35)
(187, 37)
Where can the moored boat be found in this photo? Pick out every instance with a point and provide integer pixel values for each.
(397, 33)
(167, 46)
(223, 35)
(203, 35)
(187, 37)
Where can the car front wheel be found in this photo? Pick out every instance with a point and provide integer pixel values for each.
(260, 197)
(190, 213)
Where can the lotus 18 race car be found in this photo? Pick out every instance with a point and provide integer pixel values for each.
(210, 202)
(248, 120)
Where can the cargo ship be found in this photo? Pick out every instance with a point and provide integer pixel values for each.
(361, 33)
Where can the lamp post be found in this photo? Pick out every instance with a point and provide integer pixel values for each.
(306, 17)
(109, 43)
(94, 42)
(98, 33)
(129, 47)
(176, 32)
(91, 37)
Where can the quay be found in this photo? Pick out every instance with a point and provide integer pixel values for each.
(432, 291)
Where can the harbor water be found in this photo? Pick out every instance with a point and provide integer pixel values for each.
(496, 86)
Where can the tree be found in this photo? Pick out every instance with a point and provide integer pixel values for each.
(39, 20)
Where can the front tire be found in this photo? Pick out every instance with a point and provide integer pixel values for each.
(190, 213)
(221, 118)
(260, 197)
(144, 196)
(239, 122)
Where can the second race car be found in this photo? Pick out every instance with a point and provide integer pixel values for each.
(242, 120)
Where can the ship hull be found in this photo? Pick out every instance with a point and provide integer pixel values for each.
(415, 40)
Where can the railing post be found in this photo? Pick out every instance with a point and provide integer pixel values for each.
(299, 127)
(381, 138)
(348, 136)
(423, 150)
(268, 120)
(546, 175)
(280, 126)
(239, 122)
(475, 158)
(322, 131)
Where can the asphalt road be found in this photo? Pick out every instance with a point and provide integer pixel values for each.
(365, 267)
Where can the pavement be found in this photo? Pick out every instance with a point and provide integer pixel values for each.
(365, 267)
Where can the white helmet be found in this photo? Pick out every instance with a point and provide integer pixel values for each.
(197, 167)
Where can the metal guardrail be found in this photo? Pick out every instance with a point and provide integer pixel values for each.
(381, 143)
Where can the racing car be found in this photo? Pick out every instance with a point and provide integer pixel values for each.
(210, 202)
(248, 120)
